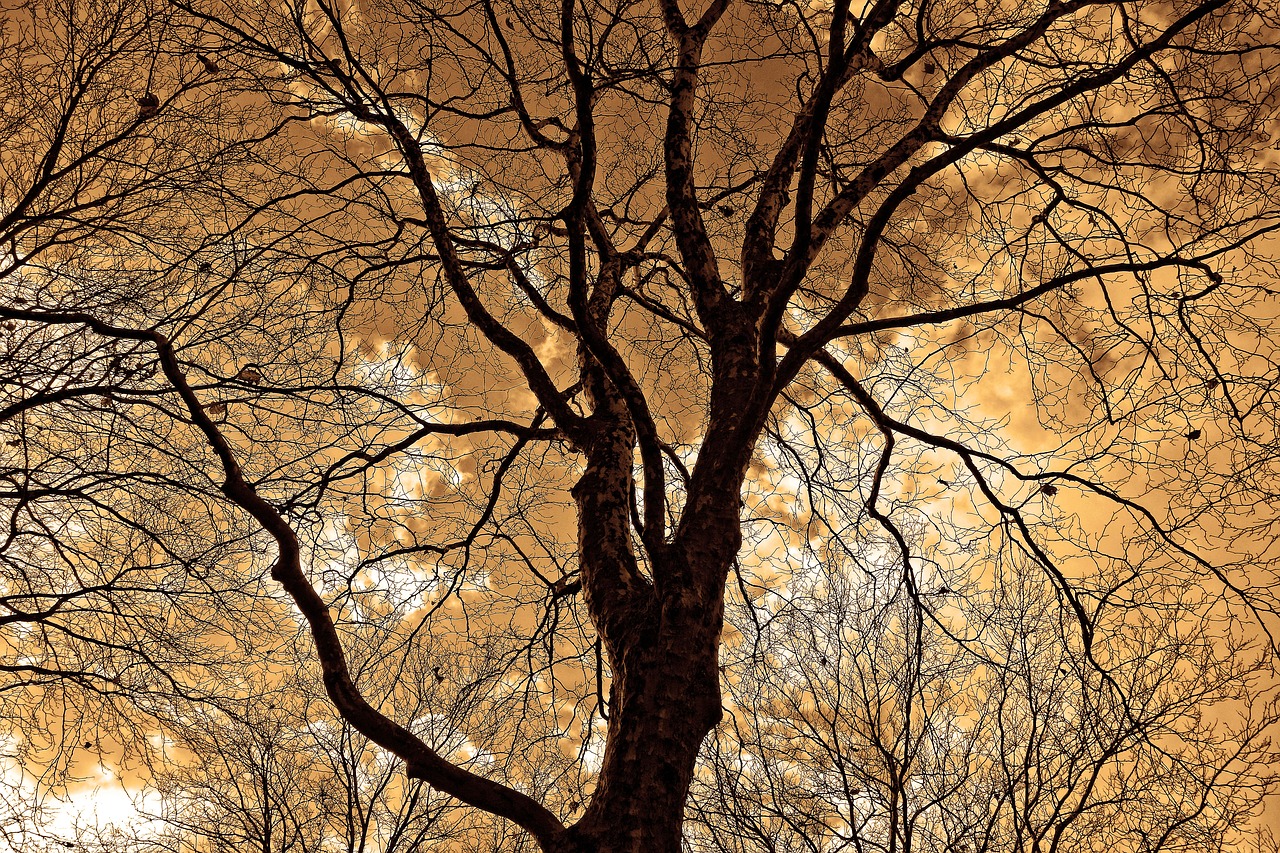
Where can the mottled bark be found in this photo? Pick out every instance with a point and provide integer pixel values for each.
(661, 634)
(664, 699)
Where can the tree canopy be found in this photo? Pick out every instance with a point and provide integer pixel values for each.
(602, 427)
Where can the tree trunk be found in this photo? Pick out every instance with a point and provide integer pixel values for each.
(661, 634)
(664, 699)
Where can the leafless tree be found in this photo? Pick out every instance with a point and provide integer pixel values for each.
(289, 776)
(491, 344)
(855, 727)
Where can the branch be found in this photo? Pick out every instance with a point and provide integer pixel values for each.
(694, 244)
(421, 761)
(592, 315)
(835, 212)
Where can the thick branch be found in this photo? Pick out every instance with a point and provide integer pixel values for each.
(834, 213)
(682, 198)
(592, 314)
(421, 761)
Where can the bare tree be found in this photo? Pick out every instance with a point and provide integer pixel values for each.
(288, 776)
(531, 330)
(855, 727)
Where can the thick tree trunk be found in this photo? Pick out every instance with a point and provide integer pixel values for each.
(661, 633)
(663, 702)
(661, 627)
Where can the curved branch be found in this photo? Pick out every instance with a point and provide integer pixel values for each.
(421, 761)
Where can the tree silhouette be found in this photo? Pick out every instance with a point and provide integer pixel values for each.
(881, 738)
(495, 345)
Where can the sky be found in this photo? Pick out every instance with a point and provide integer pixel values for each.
(302, 254)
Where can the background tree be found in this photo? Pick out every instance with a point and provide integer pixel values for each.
(492, 344)
(290, 776)
(849, 730)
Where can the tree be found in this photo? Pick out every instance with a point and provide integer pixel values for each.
(345, 317)
(293, 778)
(875, 737)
